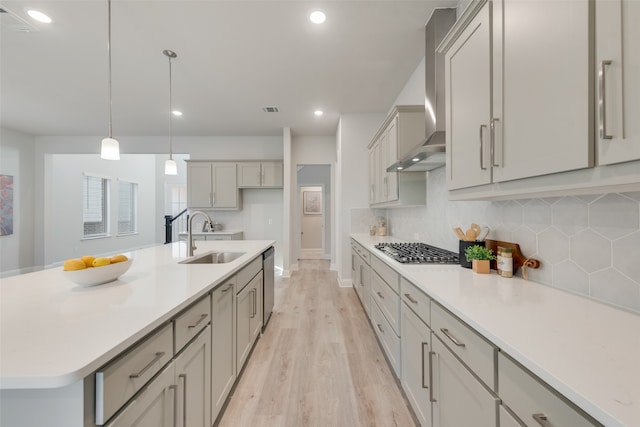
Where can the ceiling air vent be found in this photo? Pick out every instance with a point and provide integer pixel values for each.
(270, 109)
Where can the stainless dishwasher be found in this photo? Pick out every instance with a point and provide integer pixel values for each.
(268, 285)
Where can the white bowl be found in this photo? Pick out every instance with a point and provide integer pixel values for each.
(98, 275)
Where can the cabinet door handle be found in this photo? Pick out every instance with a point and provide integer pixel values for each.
(602, 99)
(361, 282)
(380, 327)
(542, 420)
(493, 142)
(451, 337)
(213, 203)
(253, 306)
(174, 389)
(481, 149)
(210, 199)
(227, 289)
(422, 365)
(200, 319)
(431, 398)
(410, 298)
(157, 357)
(184, 399)
(380, 295)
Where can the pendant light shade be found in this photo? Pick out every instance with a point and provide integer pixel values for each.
(110, 149)
(170, 166)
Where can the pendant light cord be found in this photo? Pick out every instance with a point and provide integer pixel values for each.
(109, 50)
(170, 116)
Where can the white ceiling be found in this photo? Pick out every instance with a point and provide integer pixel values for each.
(234, 57)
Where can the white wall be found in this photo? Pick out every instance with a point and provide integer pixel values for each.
(355, 132)
(63, 238)
(16, 159)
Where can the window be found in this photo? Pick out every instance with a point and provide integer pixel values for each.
(127, 207)
(95, 206)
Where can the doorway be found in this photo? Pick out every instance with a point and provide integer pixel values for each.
(314, 212)
(311, 222)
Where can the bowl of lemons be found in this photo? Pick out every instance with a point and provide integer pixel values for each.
(90, 271)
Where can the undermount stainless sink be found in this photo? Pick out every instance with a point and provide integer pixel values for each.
(213, 258)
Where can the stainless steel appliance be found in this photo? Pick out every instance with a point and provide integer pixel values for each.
(418, 253)
(268, 285)
(429, 153)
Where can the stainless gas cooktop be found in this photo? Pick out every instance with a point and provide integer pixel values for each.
(418, 253)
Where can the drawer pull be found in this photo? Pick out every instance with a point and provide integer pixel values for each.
(158, 356)
(410, 298)
(542, 420)
(431, 398)
(451, 337)
(422, 365)
(174, 391)
(228, 288)
(202, 317)
(380, 327)
(184, 399)
(380, 295)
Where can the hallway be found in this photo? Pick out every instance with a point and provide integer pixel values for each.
(318, 363)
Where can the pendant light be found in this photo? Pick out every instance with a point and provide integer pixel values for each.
(110, 148)
(170, 166)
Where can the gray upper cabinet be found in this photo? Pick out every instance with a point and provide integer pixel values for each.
(212, 185)
(260, 175)
(518, 92)
(617, 68)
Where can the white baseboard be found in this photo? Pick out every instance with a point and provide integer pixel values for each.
(345, 283)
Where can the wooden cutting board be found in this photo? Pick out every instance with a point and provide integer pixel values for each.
(518, 258)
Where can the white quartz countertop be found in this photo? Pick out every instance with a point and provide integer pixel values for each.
(54, 332)
(588, 351)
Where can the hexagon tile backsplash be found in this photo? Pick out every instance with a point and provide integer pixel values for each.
(589, 245)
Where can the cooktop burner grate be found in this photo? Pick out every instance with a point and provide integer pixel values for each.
(418, 253)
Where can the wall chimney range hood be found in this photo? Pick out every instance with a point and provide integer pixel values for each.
(429, 153)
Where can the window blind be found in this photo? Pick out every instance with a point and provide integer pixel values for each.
(95, 205)
(127, 207)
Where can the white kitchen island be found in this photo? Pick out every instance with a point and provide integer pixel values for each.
(55, 334)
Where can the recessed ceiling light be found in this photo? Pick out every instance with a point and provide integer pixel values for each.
(176, 113)
(39, 16)
(318, 112)
(416, 159)
(317, 17)
(399, 168)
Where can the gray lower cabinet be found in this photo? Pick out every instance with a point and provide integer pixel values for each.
(508, 420)
(154, 407)
(193, 379)
(459, 399)
(248, 318)
(415, 349)
(223, 371)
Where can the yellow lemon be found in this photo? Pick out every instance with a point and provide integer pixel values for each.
(100, 262)
(88, 260)
(118, 258)
(74, 264)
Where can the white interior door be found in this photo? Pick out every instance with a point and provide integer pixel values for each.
(311, 222)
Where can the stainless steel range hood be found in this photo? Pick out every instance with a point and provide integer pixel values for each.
(429, 153)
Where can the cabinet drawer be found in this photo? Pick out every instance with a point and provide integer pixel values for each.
(388, 301)
(118, 381)
(506, 419)
(387, 273)
(245, 275)
(532, 400)
(474, 351)
(417, 300)
(191, 321)
(389, 340)
(361, 251)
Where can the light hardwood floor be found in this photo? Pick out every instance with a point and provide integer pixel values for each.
(317, 364)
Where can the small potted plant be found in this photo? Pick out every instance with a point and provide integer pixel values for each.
(480, 258)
